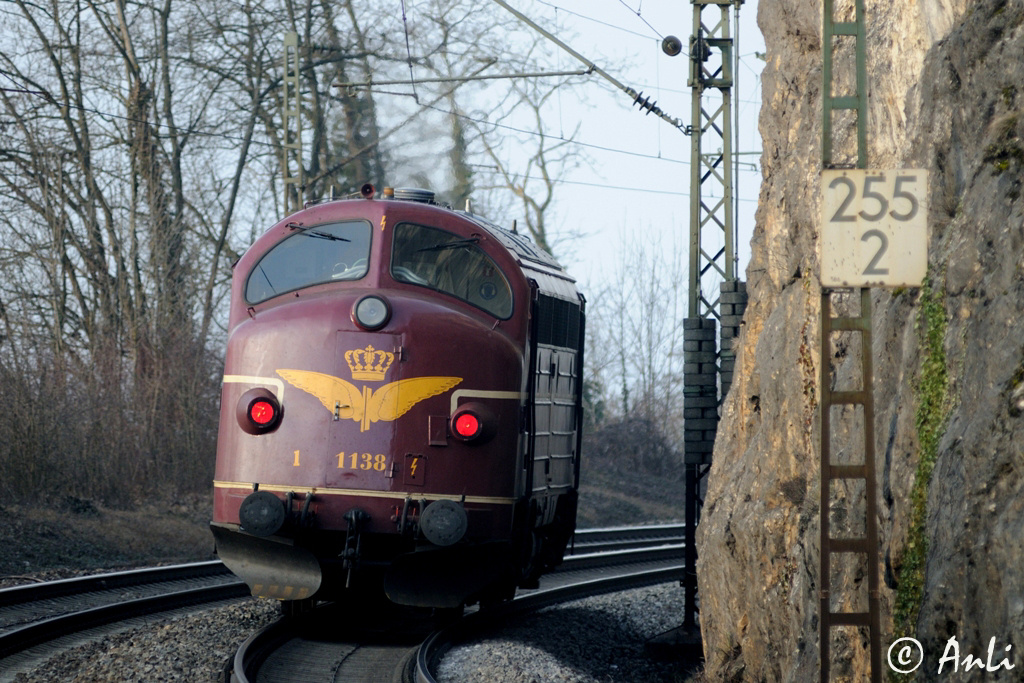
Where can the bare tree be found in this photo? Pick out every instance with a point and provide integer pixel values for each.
(635, 336)
(549, 158)
(140, 152)
(104, 240)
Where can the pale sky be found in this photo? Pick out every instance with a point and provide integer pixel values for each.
(656, 173)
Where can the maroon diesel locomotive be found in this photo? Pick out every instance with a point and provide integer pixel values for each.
(401, 408)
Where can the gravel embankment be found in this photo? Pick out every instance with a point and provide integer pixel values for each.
(595, 640)
(190, 649)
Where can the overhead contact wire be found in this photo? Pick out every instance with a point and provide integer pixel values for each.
(637, 13)
(644, 103)
(596, 21)
(408, 52)
(575, 142)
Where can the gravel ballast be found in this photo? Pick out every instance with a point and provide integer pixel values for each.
(191, 648)
(594, 640)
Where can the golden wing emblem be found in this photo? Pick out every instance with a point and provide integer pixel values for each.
(393, 400)
(332, 392)
(364, 406)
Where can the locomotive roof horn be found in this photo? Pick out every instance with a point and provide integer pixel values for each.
(367, 190)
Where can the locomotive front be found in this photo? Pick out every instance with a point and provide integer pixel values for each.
(372, 408)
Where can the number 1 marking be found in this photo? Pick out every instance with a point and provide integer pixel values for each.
(296, 463)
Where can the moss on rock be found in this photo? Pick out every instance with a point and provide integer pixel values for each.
(932, 393)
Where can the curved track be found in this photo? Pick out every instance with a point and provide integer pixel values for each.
(380, 655)
(33, 616)
(318, 650)
(39, 620)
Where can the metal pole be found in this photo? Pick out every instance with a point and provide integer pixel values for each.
(712, 221)
(291, 114)
(697, 123)
(690, 576)
(736, 132)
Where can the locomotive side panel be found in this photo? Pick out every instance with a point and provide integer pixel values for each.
(557, 410)
(555, 422)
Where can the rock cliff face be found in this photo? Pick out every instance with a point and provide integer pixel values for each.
(946, 94)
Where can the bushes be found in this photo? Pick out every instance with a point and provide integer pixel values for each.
(104, 432)
(633, 446)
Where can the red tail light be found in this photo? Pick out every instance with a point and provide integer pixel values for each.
(474, 423)
(258, 411)
(262, 412)
(467, 425)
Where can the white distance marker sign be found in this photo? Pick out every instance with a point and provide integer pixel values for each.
(874, 228)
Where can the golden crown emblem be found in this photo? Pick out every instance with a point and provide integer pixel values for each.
(369, 364)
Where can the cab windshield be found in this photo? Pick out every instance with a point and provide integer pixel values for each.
(322, 253)
(448, 263)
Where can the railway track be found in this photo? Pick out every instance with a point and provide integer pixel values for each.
(38, 620)
(379, 655)
(625, 537)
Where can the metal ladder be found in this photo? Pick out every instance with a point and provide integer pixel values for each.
(868, 544)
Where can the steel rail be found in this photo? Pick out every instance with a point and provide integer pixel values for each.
(252, 653)
(613, 558)
(46, 630)
(590, 548)
(98, 582)
(585, 541)
(625, 537)
(631, 531)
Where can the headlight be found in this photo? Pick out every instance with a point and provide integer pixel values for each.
(372, 312)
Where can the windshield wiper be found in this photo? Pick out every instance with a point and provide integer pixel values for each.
(451, 245)
(267, 278)
(325, 236)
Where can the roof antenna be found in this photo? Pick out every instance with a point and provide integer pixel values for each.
(514, 231)
(467, 206)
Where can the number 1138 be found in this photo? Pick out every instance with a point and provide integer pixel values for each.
(362, 461)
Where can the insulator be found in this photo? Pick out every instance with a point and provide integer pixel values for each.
(645, 103)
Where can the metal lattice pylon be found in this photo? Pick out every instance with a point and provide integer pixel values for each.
(712, 277)
(711, 173)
